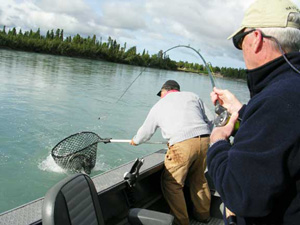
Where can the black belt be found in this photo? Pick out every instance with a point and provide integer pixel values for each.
(202, 136)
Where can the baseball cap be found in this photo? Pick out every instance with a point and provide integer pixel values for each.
(169, 85)
(268, 13)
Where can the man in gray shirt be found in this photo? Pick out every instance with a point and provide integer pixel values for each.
(183, 122)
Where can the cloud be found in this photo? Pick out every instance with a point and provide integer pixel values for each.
(43, 14)
(203, 24)
(148, 24)
(123, 15)
(72, 8)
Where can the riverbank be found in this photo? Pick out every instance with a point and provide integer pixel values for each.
(56, 43)
(219, 75)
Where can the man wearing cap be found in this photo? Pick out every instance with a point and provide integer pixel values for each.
(183, 122)
(258, 174)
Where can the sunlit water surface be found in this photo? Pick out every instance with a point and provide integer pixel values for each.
(45, 98)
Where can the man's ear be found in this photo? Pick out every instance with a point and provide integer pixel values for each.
(257, 41)
(163, 93)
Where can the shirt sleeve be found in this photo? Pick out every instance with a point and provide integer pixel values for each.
(148, 128)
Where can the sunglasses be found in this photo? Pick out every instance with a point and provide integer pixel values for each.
(238, 39)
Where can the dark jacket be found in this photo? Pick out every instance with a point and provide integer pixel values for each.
(258, 176)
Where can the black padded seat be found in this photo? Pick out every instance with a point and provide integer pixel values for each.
(139, 216)
(72, 201)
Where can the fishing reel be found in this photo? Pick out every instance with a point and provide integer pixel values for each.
(223, 118)
(223, 115)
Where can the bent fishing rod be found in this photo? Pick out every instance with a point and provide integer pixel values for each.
(205, 64)
(223, 114)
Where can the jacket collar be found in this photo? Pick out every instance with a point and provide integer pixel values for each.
(259, 78)
(171, 91)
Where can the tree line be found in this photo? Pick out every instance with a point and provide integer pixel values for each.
(54, 42)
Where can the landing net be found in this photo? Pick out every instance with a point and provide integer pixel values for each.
(77, 152)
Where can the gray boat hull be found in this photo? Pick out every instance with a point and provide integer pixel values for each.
(117, 197)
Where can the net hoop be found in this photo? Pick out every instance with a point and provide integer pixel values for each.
(77, 151)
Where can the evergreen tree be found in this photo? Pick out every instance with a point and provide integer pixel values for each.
(61, 37)
(57, 34)
(48, 35)
(110, 51)
(52, 34)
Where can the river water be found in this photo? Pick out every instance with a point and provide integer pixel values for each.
(45, 98)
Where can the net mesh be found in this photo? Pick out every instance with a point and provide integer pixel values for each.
(77, 152)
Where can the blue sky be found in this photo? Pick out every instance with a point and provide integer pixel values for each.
(147, 24)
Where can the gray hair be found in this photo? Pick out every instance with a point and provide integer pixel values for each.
(288, 37)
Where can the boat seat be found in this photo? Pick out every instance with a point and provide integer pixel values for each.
(139, 216)
(72, 201)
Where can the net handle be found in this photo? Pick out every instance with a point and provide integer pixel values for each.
(128, 141)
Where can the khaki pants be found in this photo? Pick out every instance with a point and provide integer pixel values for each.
(184, 160)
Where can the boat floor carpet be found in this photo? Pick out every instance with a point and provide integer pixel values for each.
(213, 221)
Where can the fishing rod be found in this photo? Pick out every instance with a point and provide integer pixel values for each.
(177, 46)
(223, 115)
(205, 64)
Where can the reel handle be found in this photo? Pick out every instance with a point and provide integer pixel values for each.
(218, 108)
(223, 115)
(223, 118)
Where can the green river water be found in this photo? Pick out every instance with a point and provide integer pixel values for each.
(45, 98)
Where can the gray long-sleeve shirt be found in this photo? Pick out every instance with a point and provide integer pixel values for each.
(180, 115)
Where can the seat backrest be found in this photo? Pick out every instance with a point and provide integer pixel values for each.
(72, 201)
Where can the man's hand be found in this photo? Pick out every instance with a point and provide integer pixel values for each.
(220, 133)
(132, 143)
(226, 99)
(229, 213)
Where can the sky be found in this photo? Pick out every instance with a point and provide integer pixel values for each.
(152, 25)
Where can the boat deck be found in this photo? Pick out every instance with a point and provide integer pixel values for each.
(116, 198)
(213, 221)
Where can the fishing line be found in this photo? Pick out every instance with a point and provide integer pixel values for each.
(132, 83)
(223, 115)
(177, 46)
